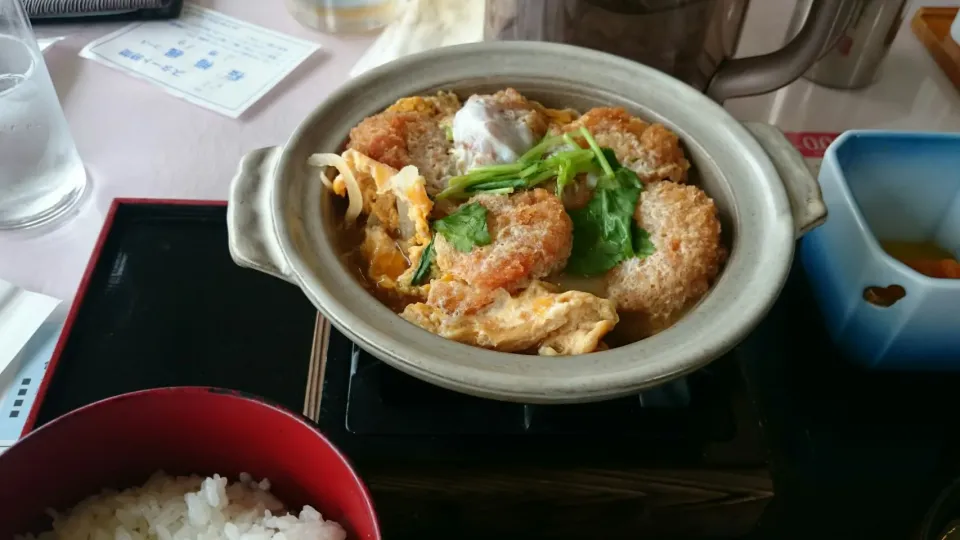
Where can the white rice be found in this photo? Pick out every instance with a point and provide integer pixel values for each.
(189, 508)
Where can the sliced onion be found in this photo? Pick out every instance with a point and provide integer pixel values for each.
(408, 229)
(398, 185)
(354, 194)
(380, 172)
(413, 203)
(326, 180)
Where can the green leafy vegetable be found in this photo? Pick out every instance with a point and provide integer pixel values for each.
(563, 178)
(494, 185)
(540, 177)
(642, 245)
(423, 267)
(570, 164)
(458, 185)
(533, 168)
(579, 157)
(626, 177)
(530, 171)
(541, 148)
(604, 232)
(524, 174)
(465, 228)
(502, 168)
(601, 158)
(499, 191)
(611, 158)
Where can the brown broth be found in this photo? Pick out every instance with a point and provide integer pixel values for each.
(905, 251)
(349, 240)
(593, 285)
(357, 264)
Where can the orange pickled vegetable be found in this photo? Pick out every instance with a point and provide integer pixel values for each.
(936, 268)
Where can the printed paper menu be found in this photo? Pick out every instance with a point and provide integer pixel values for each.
(204, 57)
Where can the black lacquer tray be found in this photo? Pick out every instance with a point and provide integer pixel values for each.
(163, 304)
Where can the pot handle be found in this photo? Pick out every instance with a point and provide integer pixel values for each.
(803, 190)
(754, 75)
(251, 230)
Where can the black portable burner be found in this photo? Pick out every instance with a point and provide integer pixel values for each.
(379, 414)
(163, 304)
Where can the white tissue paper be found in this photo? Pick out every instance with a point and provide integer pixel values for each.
(28, 333)
(21, 313)
(46, 43)
(424, 25)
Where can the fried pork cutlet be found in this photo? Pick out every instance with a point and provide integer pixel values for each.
(531, 237)
(683, 225)
(411, 132)
(650, 150)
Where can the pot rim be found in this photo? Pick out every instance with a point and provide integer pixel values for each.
(534, 379)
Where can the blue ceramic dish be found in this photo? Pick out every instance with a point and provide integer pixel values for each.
(895, 187)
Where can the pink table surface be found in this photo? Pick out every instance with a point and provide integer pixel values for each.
(138, 141)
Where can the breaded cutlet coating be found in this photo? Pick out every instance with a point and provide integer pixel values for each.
(650, 150)
(410, 132)
(456, 298)
(683, 225)
(531, 237)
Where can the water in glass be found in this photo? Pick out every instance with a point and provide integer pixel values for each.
(41, 175)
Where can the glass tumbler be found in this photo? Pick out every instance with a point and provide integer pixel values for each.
(41, 175)
(344, 16)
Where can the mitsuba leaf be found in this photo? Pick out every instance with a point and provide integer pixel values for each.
(626, 177)
(492, 185)
(604, 231)
(541, 163)
(611, 157)
(465, 228)
(423, 267)
(642, 245)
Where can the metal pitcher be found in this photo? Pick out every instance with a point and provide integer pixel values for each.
(693, 40)
(853, 59)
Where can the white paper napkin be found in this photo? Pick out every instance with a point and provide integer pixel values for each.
(425, 24)
(20, 384)
(21, 314)
(46, 43)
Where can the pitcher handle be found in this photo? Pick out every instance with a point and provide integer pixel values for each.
(754, 75)
(806, 200)
(251, 230)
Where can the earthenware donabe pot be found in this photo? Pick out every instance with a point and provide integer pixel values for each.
(281, 220)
